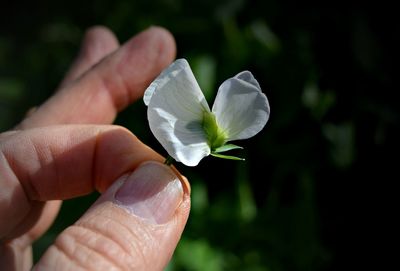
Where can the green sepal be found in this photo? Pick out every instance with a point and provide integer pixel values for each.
(215, 136)
(227, 147)
(230, 157)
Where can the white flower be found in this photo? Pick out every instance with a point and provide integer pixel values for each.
(183, 123)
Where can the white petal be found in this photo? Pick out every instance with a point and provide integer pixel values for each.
(249, 78)
(241, 109)
(175, 112)
(166, 75)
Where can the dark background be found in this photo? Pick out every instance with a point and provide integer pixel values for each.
(314, 192)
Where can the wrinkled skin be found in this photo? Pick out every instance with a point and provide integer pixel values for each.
(72, 130)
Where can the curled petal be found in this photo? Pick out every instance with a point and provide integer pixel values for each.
(249, 78)
(175, 112)
(241, 109)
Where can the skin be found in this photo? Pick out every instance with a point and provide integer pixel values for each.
(72, 129)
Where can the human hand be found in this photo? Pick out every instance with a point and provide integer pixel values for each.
(63, 150)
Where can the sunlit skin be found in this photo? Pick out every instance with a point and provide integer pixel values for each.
(67, 148)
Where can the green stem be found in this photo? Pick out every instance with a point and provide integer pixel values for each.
(169, 160)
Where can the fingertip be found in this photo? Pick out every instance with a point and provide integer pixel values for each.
(168, 45)
(98, 41)
(140, 60)
(99, 29)
(159, 44)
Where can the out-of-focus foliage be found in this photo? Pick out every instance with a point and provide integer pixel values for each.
(303, 198)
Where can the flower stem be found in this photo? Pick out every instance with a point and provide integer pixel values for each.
(169, 160)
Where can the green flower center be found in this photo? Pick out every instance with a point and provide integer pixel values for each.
(215, 136)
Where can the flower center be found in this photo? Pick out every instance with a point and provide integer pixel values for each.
(215, 136)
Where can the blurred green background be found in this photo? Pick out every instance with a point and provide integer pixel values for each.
(309, 191)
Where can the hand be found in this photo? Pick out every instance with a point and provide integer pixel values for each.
(63, 150)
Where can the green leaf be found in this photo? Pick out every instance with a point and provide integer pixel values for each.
(230, 157)
(227, 147)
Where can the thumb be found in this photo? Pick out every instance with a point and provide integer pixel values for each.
(135, 225)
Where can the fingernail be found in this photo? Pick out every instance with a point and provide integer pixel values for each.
(152, 192)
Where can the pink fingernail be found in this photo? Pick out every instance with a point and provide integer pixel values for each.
(152, 192)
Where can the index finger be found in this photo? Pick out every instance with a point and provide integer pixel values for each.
(61, 162)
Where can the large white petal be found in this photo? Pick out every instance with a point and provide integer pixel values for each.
(175, 112)
(241, 109)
